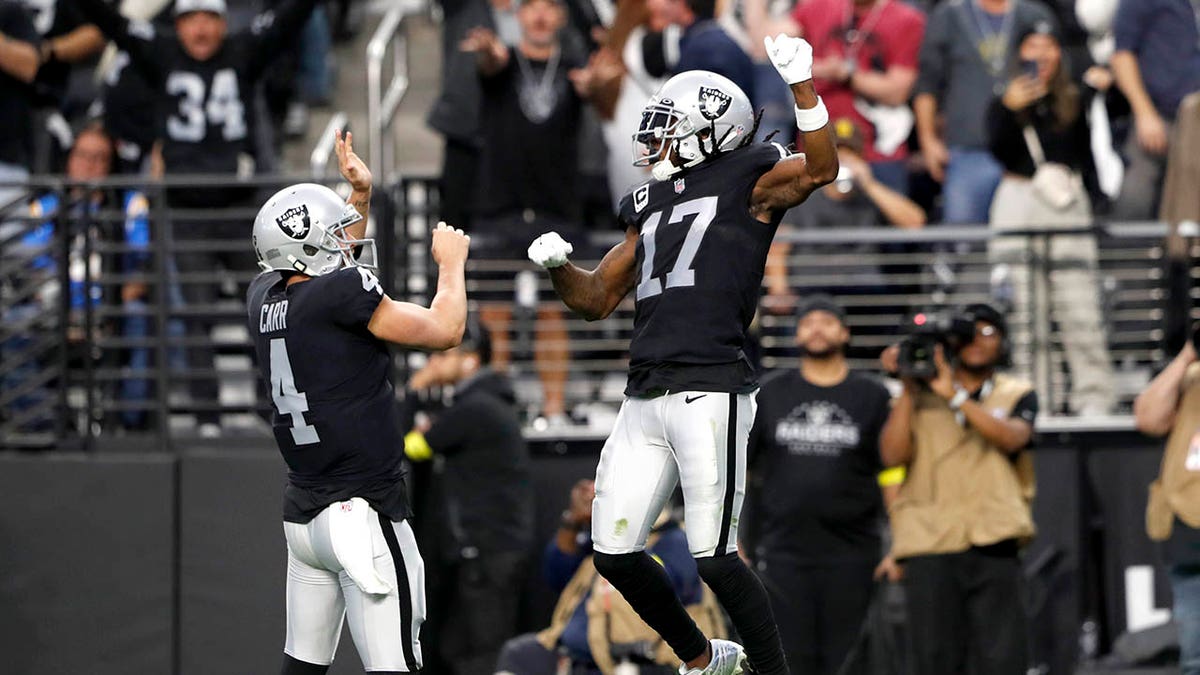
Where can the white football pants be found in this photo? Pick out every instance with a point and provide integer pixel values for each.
(697, 439)
(351, 562)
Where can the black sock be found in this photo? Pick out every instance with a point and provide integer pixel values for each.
(645, 586)
(744, 598)
(293, 666)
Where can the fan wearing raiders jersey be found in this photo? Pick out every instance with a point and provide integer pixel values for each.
(206, 80)
(321, 325)
(695, 246)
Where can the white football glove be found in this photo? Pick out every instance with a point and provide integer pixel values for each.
(791, 56)
(550, 250)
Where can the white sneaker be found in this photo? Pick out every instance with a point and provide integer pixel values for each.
(728, 658)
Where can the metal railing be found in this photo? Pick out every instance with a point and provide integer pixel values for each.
(116, 351)
(383, 100)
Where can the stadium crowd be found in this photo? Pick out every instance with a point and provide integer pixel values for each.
(1025, 116)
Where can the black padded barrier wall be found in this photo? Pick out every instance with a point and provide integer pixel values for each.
(87, 570)
(175, 564)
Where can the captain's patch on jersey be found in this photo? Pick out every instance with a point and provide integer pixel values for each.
(294, 222)
(713, 102)
(641, 197)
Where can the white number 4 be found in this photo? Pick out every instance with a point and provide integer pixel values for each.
(681, 274)
(288, 401)
(369, 282)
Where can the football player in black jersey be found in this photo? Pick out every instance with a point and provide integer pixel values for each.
(695, 246)
(321, 325)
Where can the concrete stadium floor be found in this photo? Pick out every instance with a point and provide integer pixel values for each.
(419, 149)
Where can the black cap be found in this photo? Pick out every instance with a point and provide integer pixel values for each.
(984, 312)
(1040, 27)
(820, 302)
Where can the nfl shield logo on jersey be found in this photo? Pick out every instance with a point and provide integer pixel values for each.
(713, 102)
(295, 222)
(680, 186)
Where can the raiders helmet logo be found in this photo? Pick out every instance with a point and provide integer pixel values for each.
(294, 222)
(713, 102)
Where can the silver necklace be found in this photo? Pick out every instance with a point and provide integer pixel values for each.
(537, 97)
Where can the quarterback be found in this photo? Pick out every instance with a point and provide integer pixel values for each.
(696, 240)
(321, 325)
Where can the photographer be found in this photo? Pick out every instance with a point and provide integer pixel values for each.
(1039, 133)
(1171, 404)
(963, 511)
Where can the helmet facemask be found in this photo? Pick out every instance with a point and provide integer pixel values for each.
(667, 133)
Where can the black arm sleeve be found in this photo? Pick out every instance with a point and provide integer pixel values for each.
(1026, 408)
(1006, 140)
(271, 29)
(137, 38)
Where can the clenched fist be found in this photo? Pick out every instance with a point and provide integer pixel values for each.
(450, 245)
(550, 250)
(791, 56)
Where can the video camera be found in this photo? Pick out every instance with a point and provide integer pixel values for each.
(924, 332)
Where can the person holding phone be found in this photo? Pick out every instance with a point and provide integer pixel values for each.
(1039, 134)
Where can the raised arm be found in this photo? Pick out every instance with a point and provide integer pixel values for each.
(595, 294)
(18, 58)
(793, 179)
(439, 326)
(356, 173)
(272, 29)
(491, 56)
(77, 45)
(1155, 408)
(136, 38)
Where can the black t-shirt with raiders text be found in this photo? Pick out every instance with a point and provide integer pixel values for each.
(700, 259)
(529, 129)
(335, 417)
(814, 453)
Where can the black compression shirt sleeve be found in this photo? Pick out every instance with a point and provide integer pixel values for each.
(137, 38)
(271, 29)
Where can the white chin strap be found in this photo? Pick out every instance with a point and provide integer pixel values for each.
(663, 170)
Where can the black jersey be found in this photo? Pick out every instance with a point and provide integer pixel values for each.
(205, 108)
(335, 418)
(700, 256)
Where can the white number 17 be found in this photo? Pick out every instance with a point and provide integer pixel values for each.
(681, 274)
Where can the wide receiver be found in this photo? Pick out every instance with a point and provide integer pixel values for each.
(321, 325)
(695, 245)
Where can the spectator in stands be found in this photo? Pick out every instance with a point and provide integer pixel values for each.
(865, 66)
(963, 63)
(816, 512)
(963, 510)
(66, 39)
(456, 112)
(1171, 405)
(1157, 64)
(704, 44)
(207, 79)
(73, 214)
(856, 200)
(19, 46)
(528, 176)
(593, 629)
(1096, 16)
(1039, 133)
(483, 509)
